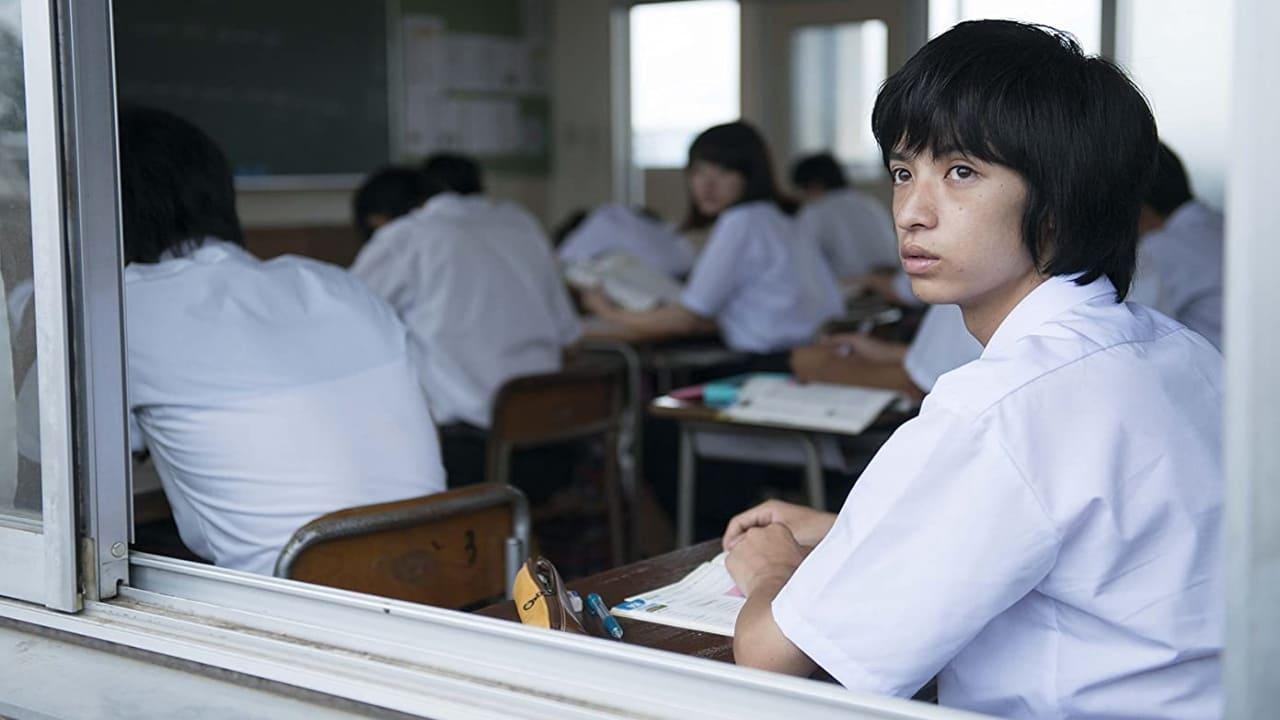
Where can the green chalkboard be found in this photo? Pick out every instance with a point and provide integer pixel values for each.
(286, 87)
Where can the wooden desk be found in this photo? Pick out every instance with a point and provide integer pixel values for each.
(618, 584)
(694, 415)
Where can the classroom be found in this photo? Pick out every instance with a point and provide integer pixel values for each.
(638, 358)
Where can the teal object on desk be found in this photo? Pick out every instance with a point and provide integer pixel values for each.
(724, 392)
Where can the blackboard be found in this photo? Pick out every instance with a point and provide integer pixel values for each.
(286, 87)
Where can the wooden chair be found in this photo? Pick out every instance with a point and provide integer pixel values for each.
(453, 549)
(581, 401)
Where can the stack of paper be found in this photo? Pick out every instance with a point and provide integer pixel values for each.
(705, 600)
(627, 280)
(816, 406)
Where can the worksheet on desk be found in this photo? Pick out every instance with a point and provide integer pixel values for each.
(706, 600)
(816, 406)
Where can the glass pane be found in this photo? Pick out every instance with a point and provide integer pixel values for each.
(1081, 18)
(835, 73)
(684, 76)
(19, 416)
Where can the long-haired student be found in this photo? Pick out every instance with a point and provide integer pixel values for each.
(1044, 537)
(760, 280)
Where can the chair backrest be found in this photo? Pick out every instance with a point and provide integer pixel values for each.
(452, 549)
(577, 402)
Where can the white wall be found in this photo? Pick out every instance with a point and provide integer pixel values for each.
(1179, 53)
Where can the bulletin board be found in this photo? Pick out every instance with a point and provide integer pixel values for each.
(473, 79)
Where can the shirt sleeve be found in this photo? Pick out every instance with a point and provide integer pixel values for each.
(718, 274)
(940, 535)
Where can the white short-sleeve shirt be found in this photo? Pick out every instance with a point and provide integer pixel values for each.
(942, 344)
(616, 228)
(270, 393)
(763, 279)
(1180, 269)
(477, 285)
(1045, 536)
(854, 231)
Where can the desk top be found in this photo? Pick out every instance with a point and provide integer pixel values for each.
(697, 412)
(620, 583)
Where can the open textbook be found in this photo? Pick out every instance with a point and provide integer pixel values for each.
(705, 600)
(778, 399)
(626, 279)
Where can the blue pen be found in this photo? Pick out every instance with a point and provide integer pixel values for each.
(597, 606)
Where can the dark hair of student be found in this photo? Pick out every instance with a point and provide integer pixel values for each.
(450, 172)
(390, 191)
(567, 226)
(176, 187)
(1074, 127)
(821, 170)
(738, 147)
(1170, 189)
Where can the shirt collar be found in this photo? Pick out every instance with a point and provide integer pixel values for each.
(1051, 298)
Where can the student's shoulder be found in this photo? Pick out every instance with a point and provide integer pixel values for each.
(751, 220)
(1098, 347)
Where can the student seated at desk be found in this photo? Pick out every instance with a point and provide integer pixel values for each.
(616, 228)
(760, 280)
(268, 393)
(941, 345)
(1045, 536)
(386, 195)
(853, 229)
(476, 283)
(1180, 252)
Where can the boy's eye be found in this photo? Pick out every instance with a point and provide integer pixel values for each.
(899, 175)
(962, 172)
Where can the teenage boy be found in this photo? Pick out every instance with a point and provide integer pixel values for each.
(269, 393)
(1044, 537)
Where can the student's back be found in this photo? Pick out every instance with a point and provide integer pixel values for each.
(763, 279)
(854, 231)
(476, 283)
(270, 393)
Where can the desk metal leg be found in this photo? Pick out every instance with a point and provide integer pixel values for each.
(813, 472)
(687, 479)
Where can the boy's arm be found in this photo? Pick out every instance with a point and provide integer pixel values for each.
(761, 563)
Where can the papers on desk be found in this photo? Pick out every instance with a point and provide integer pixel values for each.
(780, 400)
(705, 600)
(625, 279)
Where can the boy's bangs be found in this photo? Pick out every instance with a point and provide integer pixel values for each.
(934, 120)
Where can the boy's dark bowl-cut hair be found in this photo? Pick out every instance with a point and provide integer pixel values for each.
(1023, 96)
(175, 184)
(739, 147)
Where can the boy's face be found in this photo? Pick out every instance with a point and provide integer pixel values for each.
(959, 224)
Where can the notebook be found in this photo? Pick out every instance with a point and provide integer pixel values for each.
(781, 400)
(626, 280)
(705, 600)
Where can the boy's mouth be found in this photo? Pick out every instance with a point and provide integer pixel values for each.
(915, 260)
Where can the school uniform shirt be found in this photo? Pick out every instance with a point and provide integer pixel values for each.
(942, 344)
(615, 228)
(478, 287)
(763, 280)
(270, 393)
(1045, 534)
(1180, 269)
(854, 231)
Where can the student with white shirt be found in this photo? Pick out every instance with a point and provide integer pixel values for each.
(615, 228)
(761, 280)
(268, 393)
(1045, 536)
(475, 281)
(853, 229)
(1180, 252)
(941, 344)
